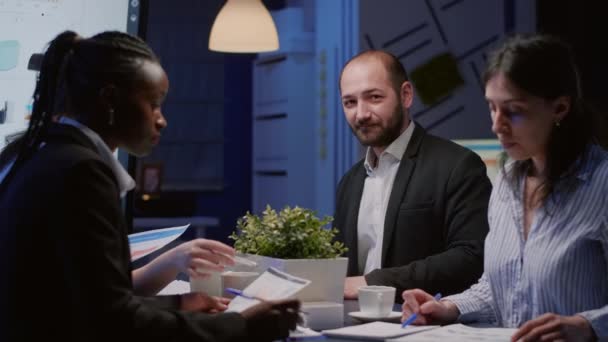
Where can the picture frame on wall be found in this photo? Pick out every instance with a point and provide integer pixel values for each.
(150, 180)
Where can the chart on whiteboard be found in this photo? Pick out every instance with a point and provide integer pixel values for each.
(26, 27)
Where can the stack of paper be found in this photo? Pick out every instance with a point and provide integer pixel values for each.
(460, 333)
(323, 315)
(375, 331)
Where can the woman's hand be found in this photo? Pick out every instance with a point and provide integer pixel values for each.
(199, 257)
(271, 320)
(552, 327)
(199, 301)
(427, 309)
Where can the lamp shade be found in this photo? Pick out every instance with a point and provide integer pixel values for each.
(243, 26)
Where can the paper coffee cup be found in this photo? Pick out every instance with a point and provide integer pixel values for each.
(211, 285)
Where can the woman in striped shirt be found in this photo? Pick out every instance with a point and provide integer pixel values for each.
(546, 256)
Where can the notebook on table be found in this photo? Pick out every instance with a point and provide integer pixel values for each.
(375, 331)
(460, 333)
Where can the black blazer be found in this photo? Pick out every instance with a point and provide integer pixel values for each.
(436, 218)
(66, 268)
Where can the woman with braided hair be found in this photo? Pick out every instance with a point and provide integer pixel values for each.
(197, 257)
(63, 241)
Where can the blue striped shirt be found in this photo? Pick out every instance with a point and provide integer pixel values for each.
(562, 267)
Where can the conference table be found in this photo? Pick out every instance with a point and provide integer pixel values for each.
(180, 286)
(481, 333)
(478, 332)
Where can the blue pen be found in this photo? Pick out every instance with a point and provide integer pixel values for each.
(414, 315)
(240, 293)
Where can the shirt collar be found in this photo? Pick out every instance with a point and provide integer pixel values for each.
(396, 148)
(125, 181)
(586, 164)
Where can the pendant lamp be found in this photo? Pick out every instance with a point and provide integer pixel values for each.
(243, 26)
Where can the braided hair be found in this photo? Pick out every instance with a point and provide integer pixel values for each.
(109, 57)
(44, 97)
(72, 73)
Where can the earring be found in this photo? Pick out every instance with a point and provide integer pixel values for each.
(111, 116)
(557, 123)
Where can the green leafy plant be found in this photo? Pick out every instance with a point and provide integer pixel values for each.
(293, 233)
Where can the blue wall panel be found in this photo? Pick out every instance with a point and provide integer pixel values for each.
(206, 148)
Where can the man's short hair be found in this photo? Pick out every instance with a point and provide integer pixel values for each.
(395, 69)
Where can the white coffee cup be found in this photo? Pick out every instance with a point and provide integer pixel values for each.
(376, 301)
(237, 280)
(211, 285)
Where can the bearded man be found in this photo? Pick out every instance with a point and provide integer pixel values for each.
(413, 213)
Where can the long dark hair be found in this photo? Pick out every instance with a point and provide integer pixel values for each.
(544, 66)
(72, 73)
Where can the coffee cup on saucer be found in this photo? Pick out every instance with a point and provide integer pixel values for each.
(376, 301)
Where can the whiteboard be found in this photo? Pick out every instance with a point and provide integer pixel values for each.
(26, 27)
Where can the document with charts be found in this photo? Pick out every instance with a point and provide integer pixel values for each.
(144, 243)
(272, 284)
(460, 333)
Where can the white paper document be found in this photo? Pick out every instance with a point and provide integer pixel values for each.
(144, 243)
(302, 333)
(271, 285)
(460, 333)
(375, 331)
(174, 288)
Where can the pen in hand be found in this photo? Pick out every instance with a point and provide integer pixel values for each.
(413, 317)
(242, 294)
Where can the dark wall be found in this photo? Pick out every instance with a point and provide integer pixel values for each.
(183, 26)
(235, 199)
(202, 84)
(582, 24)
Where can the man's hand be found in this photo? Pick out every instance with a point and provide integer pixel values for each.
(352, 285)
(552, 327)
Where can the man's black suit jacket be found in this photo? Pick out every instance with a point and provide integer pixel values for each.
(66, 273)
(436, 218)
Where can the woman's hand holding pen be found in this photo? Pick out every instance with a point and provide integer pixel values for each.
(427, 309)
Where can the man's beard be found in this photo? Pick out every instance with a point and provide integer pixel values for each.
(387, 135)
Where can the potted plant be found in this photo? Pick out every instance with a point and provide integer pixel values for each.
(296, 241)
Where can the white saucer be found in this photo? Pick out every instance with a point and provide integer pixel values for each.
(394, 316)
